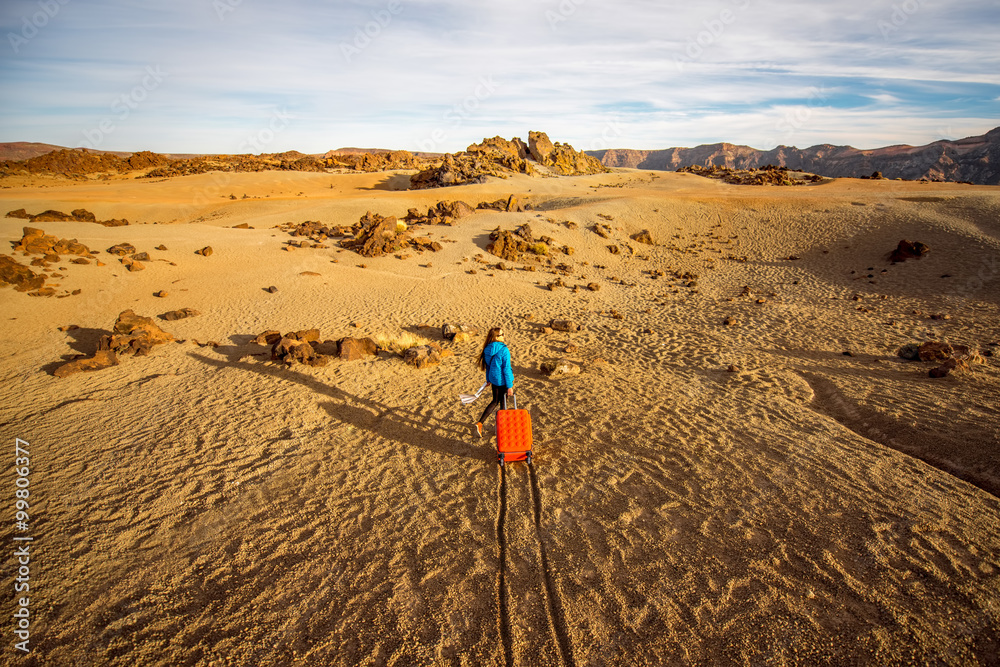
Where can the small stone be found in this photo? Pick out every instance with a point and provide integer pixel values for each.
(272, 289)
(161, 294)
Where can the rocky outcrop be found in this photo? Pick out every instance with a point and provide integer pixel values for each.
(973, 159)
(509, 205)
(81, 162)
(562, 158)
(373, 161)
(443, 213)
(131, 335)
(376, 236)
(949, 357)
(78, 215)
(424, 356)
(510, 245)
(134, 334)
(501, 158)
(767, 175)
(37, 242)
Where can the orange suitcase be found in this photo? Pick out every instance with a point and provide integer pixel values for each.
(513, 434)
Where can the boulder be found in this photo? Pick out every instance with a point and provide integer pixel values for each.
(509, 205)
(290, 350)
(21, 277)
(267, 338)
(908, 250)
(204, 252)
(935, 351)
(376, 236)
(101, 359)
(181, 314)
(19, 213)
(564, 325)
(37, 242)
(353, 349)
(122, 249)
(559, 368)
(451, 331)
(307, 335)
(52, 216)
(422, 356)
(540, 147)
(134, 334)
(83, 215)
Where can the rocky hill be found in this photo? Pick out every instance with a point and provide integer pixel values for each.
(973, 159)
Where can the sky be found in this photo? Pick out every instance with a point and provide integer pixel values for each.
(253, 76)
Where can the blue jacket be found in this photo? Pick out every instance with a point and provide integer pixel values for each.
(498, 370)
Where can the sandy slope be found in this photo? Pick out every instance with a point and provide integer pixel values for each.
(206, 506)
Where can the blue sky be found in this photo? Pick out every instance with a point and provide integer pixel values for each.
(257, 76)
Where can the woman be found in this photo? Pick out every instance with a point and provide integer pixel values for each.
(495, 360)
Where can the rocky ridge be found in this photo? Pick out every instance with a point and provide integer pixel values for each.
(972, 159)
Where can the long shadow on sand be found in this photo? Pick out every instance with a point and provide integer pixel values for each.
(84, 342)
(392, 423)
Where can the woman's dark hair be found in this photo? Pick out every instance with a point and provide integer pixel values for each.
(491, 337)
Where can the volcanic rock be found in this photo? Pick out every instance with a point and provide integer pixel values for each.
(267, 338)
(134, 334)
(37, 242)
(509, 205)
(101, 359)
(564, 325)
(21, 277)
(452, 331)
(423, 356)
(121, 249)
(353, 349)
(376, 236)
(51, 216)
(83, 215)
(644, 237)
(908, 250)
(562, 157)
(290, 350)
(559, 368)
(181, 314)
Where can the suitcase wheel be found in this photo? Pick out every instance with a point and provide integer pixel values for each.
(529, 458)
(500, 459)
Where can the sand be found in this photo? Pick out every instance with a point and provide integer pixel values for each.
(204, 505)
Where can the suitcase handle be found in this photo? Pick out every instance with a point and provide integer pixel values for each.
(514, 396)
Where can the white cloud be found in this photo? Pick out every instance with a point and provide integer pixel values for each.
(721, 70)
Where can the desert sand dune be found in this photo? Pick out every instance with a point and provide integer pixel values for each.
(700, 493)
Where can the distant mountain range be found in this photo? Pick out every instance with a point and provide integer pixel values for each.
(973, 159)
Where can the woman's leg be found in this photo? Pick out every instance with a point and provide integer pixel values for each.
(498, 393)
